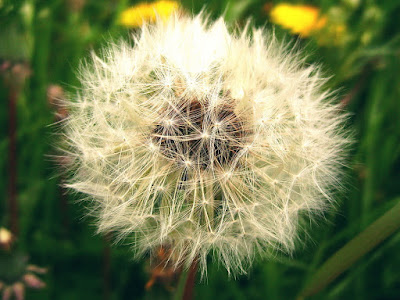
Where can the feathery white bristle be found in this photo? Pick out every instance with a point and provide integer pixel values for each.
(204, 142)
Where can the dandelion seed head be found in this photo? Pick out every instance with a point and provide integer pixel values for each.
(203, 142)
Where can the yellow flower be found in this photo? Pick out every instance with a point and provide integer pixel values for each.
(136, 15)
(299, 19)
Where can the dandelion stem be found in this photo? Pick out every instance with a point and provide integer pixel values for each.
(185, 287)
(189, 285)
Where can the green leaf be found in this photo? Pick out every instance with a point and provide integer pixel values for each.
(364, 242)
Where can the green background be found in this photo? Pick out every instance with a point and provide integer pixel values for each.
(52, 36)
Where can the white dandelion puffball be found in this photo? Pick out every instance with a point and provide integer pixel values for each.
(203, 142)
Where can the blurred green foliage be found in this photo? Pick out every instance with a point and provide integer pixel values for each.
(52, 36)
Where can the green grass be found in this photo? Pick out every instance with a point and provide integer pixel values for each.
(52, 39)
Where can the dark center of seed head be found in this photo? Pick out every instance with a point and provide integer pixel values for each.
(195, 133)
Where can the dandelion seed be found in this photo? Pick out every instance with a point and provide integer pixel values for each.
(205, 135)
(225, 160)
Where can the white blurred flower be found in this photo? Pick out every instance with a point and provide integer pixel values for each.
(204, 142)
(6, 239)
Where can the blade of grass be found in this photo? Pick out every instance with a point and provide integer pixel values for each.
(353, 251)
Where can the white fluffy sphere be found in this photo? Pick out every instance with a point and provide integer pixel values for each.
(202, 141)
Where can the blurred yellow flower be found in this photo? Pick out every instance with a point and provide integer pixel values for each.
(136, 15)
(299, 19)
